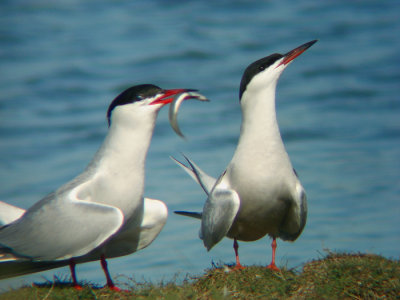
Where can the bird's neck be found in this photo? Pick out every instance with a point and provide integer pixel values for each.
(260, 140)
(119, 165)
(125, 148)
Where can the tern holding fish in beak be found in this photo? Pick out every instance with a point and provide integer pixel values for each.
(102, 213)
(259, 193)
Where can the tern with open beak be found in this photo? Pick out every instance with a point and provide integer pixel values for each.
(102, 212)
(259, 193)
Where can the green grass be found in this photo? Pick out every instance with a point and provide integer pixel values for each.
(336, 276)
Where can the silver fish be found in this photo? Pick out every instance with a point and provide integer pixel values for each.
(174, 107)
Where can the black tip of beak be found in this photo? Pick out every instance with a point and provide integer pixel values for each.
(288, 57)
(309, 44)
(301, 48)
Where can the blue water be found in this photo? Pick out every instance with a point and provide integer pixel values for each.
(62, 62)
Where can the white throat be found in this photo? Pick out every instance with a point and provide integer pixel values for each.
(118, 168)
(260, 146)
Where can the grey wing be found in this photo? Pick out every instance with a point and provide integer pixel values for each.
(296, 216)
(9, 213)
(206, 181)
(218, 215)
(60, 227)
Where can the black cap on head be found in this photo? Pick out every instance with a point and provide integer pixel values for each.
(255, 68)
(133, 94)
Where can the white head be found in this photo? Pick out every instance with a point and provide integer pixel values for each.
(264, 73)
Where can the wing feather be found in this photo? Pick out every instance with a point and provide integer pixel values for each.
(60, 227)
(9, 213)
(206, 181)
(218, 215)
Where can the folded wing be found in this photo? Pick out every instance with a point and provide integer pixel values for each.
(60, 227)
(219, 213)
(9, 213)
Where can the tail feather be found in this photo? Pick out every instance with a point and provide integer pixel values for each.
(196, 215)
(11, 265)
(206, 181)
(11, 268)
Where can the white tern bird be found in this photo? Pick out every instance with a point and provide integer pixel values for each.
(102, 212)
(259, 193)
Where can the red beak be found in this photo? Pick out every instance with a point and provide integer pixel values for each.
(167, 97)
(288, 57)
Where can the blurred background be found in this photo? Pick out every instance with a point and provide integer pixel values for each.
(338, 106)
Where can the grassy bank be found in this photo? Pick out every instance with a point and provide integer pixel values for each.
(337, 276)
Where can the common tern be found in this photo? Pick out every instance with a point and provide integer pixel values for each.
(259, 193)
(101, 213)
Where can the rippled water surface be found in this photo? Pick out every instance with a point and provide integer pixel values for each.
(62, 62)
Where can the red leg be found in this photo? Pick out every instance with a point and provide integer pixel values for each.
(110, 283)
(236, 248)
(72, 265)
(272, 265)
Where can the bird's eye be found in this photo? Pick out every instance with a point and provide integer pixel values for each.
(261, 68)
